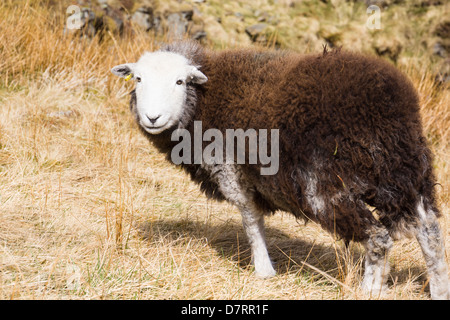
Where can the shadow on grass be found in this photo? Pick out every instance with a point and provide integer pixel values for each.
(288, 254)
(229, 240)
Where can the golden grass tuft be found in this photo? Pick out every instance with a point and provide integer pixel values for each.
(89, 210)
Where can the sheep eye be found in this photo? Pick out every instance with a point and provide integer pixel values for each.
(138, 79)
(179, 82)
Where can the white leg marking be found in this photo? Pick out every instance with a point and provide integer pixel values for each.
(377, 263)
(375, 275)
(254, 228)
(432, 244)
(252, 218)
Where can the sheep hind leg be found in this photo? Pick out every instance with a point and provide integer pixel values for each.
(376, 261)
(431, 241)
(253, 222)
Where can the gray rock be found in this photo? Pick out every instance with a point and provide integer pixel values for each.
(177, 25)
(255, 30)
(438, 49)
(143, 18)
(257, 33)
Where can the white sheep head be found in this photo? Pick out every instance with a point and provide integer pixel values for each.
(162, 80)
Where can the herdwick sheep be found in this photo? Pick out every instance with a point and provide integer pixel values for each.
(349, 139)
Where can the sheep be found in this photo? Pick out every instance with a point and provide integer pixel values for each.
(350, 139)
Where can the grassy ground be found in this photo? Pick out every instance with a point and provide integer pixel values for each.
(89, 210)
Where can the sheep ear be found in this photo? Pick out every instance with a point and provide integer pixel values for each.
(197, 76)
(123, 70)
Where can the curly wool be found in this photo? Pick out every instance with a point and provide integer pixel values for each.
(350, 134)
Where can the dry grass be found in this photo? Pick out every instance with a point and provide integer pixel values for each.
(89, 210)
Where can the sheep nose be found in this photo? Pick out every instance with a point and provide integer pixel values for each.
(153, 120)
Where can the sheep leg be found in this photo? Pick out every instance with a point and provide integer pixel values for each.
(253, 222)
(431, 241)
(376, 262)
(252, 217)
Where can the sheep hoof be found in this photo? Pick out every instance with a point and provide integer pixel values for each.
(440, 295)
(266, 273)
(373, 290)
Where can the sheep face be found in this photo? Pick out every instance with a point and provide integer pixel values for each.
(162, 80)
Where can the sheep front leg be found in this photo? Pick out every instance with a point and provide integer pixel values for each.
(253, 222)
(228, 180)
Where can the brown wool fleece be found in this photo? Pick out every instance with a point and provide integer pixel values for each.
(347, 122)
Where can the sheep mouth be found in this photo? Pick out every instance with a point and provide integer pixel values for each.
(154, 129)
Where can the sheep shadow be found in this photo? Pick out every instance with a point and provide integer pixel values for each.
(293, 255)
(288, 253)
